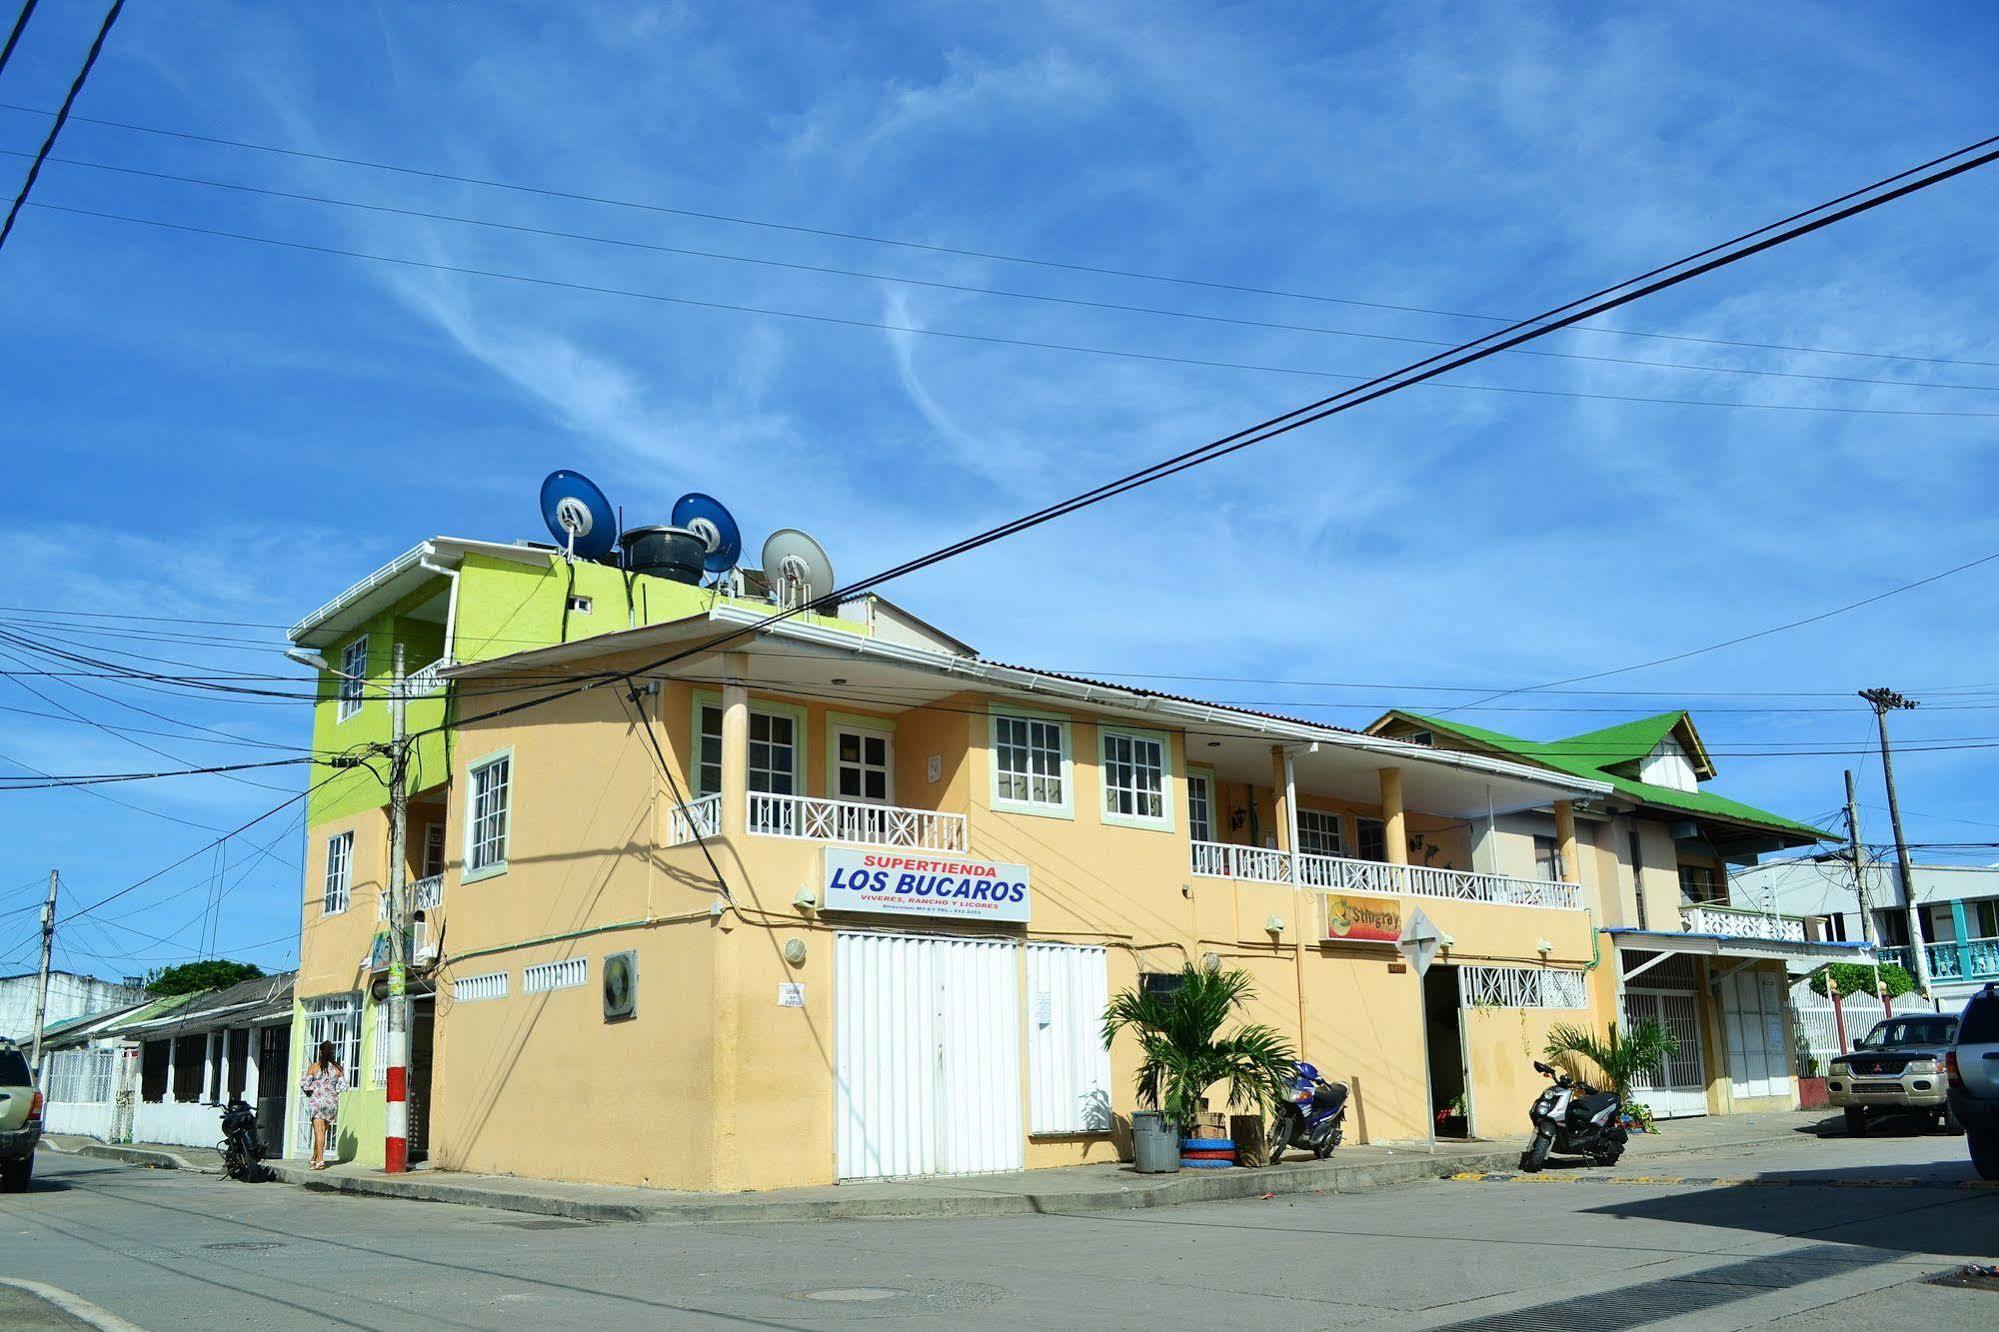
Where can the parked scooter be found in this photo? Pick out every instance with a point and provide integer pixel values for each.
(242, 1147)
(1574, 1118)
(1313, 1115)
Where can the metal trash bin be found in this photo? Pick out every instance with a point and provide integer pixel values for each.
(1155, 1147)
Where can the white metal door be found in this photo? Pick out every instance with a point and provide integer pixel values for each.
(1068, 1068)
(1752, 1014)
(927, 1055)
(1679, 1089)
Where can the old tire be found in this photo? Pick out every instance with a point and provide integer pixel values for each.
(1984, 1153)
(1536, 1154)
(14, 1174)
(1856, 1122)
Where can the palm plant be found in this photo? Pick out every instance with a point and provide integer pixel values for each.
(1619, 1059)
(1183, 1052)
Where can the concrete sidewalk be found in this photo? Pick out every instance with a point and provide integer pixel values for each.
(1066, 1190)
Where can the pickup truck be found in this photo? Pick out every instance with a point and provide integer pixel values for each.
(1897, 1068)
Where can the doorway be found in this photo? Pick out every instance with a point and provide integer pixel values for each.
(423, 1032)
(1444, 1046)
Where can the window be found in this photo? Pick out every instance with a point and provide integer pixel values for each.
(776, 759)
(1547, 860)
(353, 671)
(564, 975)
(1522, 987)
(433, 850)
(1030, 765)
(1134, 778)
(381, 1044)
(1422, 738)
(486, 829)
(335, 892)
(861, 770)
(1162, 983)
(1319, 833)
(471, 989)
(1201, 807)
(328, 1017)
(1370, 839)
(1699, 883)
(1983, 918)
(579, 605)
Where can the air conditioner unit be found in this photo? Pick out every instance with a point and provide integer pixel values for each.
(621, 986)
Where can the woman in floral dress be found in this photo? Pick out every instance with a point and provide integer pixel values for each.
(322, 1085)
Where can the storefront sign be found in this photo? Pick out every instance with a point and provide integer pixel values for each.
(1363, 920)
(924, 883)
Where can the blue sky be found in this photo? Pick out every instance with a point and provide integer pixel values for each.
(211, 428)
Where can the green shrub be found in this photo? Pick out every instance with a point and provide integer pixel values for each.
(1858, 978)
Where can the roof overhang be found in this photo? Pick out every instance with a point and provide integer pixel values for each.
(397, 579)
(1238, 744)
(1732, 945)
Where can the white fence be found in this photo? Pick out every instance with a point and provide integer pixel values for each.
(695, 821)
(810, 819)
(1740, 924)
(1218, 860)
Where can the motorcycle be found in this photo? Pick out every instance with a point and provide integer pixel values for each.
(1313, 1115)
(1574, 1118)
(241, 1147)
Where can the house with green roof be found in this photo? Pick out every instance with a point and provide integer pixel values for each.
(1654, 855)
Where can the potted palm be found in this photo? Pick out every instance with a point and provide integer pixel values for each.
(1183, 1052)
(1618, 1059)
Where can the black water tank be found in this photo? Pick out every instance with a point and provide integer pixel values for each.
(664, 552)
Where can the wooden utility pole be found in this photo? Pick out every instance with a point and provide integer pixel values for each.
(42, 985)
(1884, 701)
(1859, 865)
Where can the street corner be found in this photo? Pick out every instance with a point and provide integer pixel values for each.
(37, 1306)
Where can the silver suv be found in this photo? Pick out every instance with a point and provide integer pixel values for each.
(20, 1119)
(1973, 1071)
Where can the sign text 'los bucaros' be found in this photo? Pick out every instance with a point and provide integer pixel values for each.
(925, 884)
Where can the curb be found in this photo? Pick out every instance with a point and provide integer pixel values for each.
(158, 1158)
(74, 1305)
(423, 1189)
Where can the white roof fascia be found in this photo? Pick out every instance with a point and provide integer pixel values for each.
(437, 550)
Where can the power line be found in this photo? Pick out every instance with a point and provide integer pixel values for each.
(960, 335)
(14, 35)
(45, 781)
(973, 289)
(42, 154)
(957, 251)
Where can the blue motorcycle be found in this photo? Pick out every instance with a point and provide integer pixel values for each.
(1313, 1115)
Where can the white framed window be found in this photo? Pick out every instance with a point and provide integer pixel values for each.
(336, 1018)
(433, 850)
(580, 605)
(1136, 766)
(777, 747)
(489, 817)
(471, 989)
(567, 974)
(381, 1060)
(863, 764)
(1321, 833)
(353, 672)
(337, 888)
(1201, 806)
(1031, 764)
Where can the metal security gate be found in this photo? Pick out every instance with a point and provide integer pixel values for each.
(926, 1055)
(1679, 1088)
(1757, 1034)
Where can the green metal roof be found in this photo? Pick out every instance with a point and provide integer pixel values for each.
(1594, 753)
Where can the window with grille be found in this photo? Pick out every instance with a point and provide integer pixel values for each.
(1134, 778)
(471, 989)
(1522, 987)
(1319, 833)
(567, 974)
(381, 1044)
(353, 672)
(336, 1018)
(337, 887)
(1200, 808)
(1030, 765)
(486, 830)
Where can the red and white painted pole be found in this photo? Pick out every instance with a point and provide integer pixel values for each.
(396, 1121)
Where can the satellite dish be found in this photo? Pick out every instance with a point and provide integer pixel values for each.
(797, 567)
(705, 516)
(578, 515)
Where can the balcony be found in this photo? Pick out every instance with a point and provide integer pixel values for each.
(1957, 960)
(695, 821)
(810, 819)
(425, 680)
(1736, 923)
(1217, 860)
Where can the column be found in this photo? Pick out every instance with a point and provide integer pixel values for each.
(253, 1061)
(207, 1067)
(1396, 824)
(1284, 786)
(1960, 926)
(735, 744)
(222, 1052)
(1565, 842)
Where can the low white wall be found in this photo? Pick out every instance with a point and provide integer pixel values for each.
(185, 1124)
(92, 1119)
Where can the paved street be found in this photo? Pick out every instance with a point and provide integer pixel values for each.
(171, 1250)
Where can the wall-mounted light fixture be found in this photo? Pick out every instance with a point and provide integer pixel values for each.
(794, 952)
(1274, 924)
(806, 899)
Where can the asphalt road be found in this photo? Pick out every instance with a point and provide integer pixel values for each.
(1853, 1223)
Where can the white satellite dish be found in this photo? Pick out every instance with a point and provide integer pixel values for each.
(797, 567)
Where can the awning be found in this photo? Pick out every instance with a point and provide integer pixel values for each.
(1737, 945)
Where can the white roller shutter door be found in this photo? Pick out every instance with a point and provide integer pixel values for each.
(1068, 1069)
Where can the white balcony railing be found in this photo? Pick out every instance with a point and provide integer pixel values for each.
(816, 820)
(695, 821)
(1736, 923)
(1338, 874)
(425, 681)
(426, 895)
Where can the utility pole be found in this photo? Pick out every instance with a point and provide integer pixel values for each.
(42, 985)
(1884, 700)
(1859, 865)
(395, 1147)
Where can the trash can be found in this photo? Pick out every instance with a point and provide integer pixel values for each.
(1155, 1147)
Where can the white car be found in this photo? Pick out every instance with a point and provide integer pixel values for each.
(1973, 1070)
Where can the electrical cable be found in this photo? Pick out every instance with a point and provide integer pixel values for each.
(960, 252)
(68, 101)
(14, 34)
(971, 289)
(644, 722)
(959, 335)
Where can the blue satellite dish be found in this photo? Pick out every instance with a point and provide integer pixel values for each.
(578, 516)
(704, 515)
